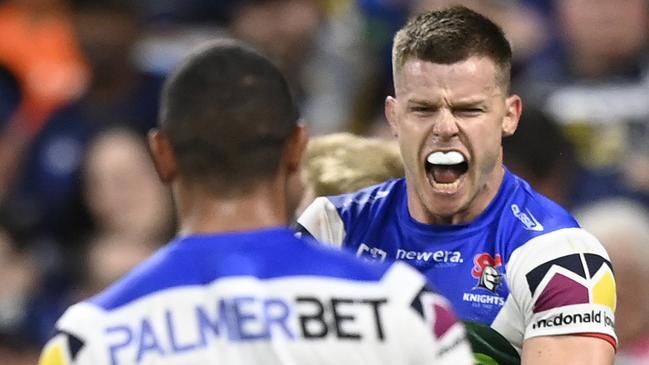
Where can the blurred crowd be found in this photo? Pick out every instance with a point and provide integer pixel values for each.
(79, 84)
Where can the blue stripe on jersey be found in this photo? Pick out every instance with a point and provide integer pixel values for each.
(264, 254)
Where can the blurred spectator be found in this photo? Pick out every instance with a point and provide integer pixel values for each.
(540, 153)
(380, 20)
(343, 162)
(130, 210)
(523, 25)
(47, 192)
(595, 79)
(12, 141)
(340, 69)
(16, 351)
(319, 45)
(24, 311)
(18, 276)
(39, 47)
(622, 227)
(41, 61)
(108, 32)
(284, 29)
(121, 189)
(9, 96)
(166, 12)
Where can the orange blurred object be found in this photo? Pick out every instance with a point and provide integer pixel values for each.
(40, 49)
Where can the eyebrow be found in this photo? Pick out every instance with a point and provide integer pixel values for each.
(469, 103)
(461, 103)
(422, 102)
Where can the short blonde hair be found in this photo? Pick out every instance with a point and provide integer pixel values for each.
(343, 162)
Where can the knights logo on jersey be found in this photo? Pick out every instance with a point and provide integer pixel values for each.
(490, 291)
(485, 269)
(587, 278)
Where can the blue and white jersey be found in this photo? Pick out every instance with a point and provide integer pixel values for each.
(523, 267)
(261, 297)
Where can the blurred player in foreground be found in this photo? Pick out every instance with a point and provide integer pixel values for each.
(511, 261)
(236, 286)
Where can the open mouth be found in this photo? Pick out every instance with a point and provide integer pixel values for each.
(445, 169)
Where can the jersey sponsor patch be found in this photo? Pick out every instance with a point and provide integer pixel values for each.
(444, 257)
(245, 318)
(575, 317)
(527, 218)
(572, 279)
(368, 253)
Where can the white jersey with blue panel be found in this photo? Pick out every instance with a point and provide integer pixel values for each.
(524, 267)
(262, 297)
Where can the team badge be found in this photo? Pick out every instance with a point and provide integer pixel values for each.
(485, 269)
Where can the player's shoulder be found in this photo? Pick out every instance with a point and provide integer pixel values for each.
(329, 218)
(528, 214)
(374, 195)
(75, 330)
(544, 234)
(81, 318)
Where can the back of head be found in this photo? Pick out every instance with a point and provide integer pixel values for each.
(451, 35)
(227, 111)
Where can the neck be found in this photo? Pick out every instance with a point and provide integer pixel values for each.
(201, 213)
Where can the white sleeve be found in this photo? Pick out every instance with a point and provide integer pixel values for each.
(563, 283)
(322, 221)
(76, 341)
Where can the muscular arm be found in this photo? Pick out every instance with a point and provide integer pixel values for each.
(567, 349)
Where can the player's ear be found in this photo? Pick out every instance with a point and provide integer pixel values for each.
(295, 146)
(513, 110)
(391, 114)
(163, 155)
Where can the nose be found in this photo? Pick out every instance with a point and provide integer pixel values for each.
(445, 126)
